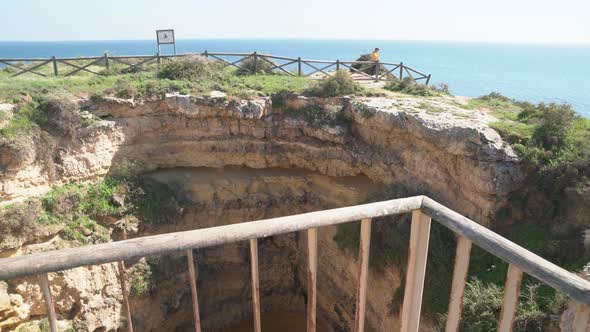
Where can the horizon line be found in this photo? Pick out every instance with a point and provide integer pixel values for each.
(546, 43)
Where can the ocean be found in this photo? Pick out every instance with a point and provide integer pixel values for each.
(548, 73)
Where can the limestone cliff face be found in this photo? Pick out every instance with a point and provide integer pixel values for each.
(237, 161)
(451, 155)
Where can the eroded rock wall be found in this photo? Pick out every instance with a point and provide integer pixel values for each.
(459, 161)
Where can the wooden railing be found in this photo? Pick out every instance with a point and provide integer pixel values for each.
(422, 208)
(367, 70)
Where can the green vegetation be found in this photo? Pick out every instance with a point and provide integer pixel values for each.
(340, 84)
(190, 68)
(191, 74)
(320, 115)
(255, 66)
(82, 211)
(389, 247)
(551, 138)
(482, 303)
(487, 273)
(140, 278)
(411, 87)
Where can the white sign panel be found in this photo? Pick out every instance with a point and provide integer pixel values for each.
(165, 36)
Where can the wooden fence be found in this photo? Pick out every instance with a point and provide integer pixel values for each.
(362, 70)
(422, 208)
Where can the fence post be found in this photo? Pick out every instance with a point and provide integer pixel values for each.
(106, 60)
(193, 282)
(401, 70)
(255, 63)
(418, 253)
(312, 278)
(337, 65)
(54, 65)
(206, 54)
(363, 273)
(299, 66)
(510, 301)
(428, 79)
(460, 271)
(377, 66)
(44, 281)
(255, 284)
(123, 282)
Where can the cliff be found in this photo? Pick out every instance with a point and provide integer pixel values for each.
(236, 161)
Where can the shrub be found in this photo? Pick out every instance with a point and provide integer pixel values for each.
(495, 96)
(409, 86)
(555, 122)
(190, 68)
(19, 221)
(482, 303)
(252, 66)
(84, 230)
(123, 89)
(340, 84)
(366, 68)
(99, 200)
(58, 115)
(141, 278)
(155, 202)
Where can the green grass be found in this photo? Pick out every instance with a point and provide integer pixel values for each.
(411, 87)
(76, 210)
(389, 247)
(84, 230)
(500, 106)
(16, 89)
(514, 132)
(141, 278)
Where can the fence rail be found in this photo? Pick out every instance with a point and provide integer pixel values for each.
(363, 70)
(422, 208)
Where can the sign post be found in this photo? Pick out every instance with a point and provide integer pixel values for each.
(166, 37)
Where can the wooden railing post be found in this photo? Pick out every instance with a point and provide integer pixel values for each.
(377, 67)
(401, 70)
(123, 281)
(312, 278)
(337, 65)
(299, 66)
(55, 72)
(418, 253)
(206, 54)
(44, 283)
(428, 79)
(458, 285)
(363, 273)
(582, 318)
(255, 284)
(510, 302)
(255, 63)
(106, 60)
(193, 282)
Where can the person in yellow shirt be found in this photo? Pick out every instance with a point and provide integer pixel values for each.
(375, 58)
(375, 55)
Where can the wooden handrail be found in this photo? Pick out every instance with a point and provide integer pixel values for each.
(543, 270)
(215, 55)
(63, 259)
(536, 266)
(423, 209)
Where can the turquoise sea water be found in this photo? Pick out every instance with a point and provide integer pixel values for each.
(527, 72)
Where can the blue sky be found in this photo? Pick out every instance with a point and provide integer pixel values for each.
(514, 21)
